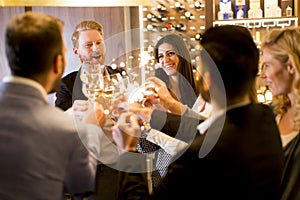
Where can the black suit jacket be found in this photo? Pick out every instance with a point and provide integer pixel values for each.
(66, 95)
(246, 162)
(290, 186)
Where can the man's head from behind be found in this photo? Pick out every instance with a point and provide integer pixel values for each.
(35, 47)
(32, 42)
(236, 58)
(88, 41)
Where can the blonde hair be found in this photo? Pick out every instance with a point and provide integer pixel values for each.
(83, 26)
(284, 45)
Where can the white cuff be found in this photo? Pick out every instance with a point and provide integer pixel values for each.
(169, 144)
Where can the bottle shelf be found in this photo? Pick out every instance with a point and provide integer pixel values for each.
(260, 23)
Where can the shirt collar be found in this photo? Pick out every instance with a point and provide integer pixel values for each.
(26, 81)
(203, 127)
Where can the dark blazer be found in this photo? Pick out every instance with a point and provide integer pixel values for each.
(65, 96)
(246, 162)
(290, 186)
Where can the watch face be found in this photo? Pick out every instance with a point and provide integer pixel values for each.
(146, 126)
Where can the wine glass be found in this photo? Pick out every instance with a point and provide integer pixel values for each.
(114, 88)
(91, 75)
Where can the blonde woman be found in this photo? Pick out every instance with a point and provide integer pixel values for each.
(281, 68)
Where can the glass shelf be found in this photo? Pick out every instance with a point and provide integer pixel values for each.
(260, 23)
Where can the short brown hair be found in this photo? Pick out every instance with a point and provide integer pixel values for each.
(32, 41)
(83, 26)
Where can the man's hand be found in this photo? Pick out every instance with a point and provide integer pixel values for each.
(91, 113)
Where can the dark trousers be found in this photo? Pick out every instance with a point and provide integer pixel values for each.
(107, 185)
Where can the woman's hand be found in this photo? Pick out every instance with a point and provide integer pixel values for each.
(126, 132)
(164, 97)
(143, 113)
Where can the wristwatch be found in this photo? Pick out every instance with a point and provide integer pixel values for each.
(146, 126)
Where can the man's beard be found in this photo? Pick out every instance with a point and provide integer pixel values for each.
(101, 60)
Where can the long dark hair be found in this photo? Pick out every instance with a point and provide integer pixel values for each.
(185, 67)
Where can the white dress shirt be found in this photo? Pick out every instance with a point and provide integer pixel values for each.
(170, 144)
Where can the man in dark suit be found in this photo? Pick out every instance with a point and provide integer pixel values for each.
(41, 150)
(88, 44)
(234, 154)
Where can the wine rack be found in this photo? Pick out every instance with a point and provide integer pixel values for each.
(191, 18)
(184, 17)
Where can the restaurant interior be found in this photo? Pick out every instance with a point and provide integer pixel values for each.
(132, 27)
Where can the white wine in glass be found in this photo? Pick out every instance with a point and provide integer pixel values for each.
(91, 75)
(114, 87)
(91, 91)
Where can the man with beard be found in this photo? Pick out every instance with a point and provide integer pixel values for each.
(88, 44)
